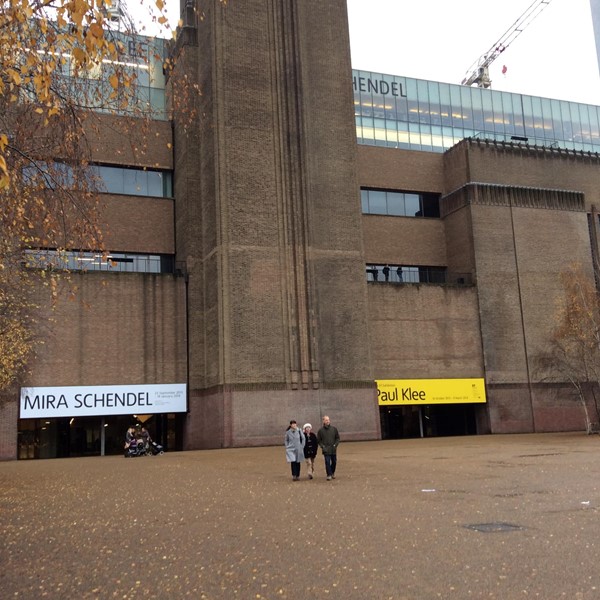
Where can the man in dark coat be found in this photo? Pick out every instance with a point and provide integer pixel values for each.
(329, 439)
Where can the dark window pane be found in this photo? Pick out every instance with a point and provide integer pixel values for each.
(167, 264)
(167, 185)
(431, 205)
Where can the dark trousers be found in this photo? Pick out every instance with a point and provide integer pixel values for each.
(330, 464)
(295, 469)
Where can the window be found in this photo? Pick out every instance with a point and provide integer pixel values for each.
(135, 182)
(418, 107)
(114, 262)
(141, 58)
(110, 180)
(396, 274)
(402, 204)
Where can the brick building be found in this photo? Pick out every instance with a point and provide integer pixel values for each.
(259, 283)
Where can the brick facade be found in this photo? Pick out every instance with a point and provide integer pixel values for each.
(9, 413)
(272, 229)
(274, 318)
(514, 219)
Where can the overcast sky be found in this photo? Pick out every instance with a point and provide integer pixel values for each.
(555, 56)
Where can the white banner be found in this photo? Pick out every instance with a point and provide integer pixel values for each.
(88, 401)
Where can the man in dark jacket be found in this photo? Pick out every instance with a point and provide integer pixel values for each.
(329, 439)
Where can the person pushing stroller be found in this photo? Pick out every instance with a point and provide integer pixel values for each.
(139, 443)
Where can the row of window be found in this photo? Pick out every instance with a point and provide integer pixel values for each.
(405, 274)
(135, 182)
(156, 263)
(111, 180)
(138, 99)
(116, 262)
(141, 58)
(91, 261)
(405, 112)
(427, 138)
(404, 204)
(415, 274)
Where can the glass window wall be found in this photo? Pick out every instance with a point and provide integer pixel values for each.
(401, 112)
(400, 204)
(382, 273)
(114, 262)
(141, 58)
(110, 180)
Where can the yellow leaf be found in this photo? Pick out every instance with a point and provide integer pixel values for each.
(96, 30)
(79, 55)
(14, 75)
(114, 81)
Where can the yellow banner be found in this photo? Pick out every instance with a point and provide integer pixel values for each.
(429, 391)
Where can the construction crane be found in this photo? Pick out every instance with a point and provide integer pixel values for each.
(113, 12)
(478, 72)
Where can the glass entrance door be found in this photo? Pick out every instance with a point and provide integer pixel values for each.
(84, 436)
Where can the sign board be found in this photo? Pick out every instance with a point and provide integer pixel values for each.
(430, 391)
(88, 401)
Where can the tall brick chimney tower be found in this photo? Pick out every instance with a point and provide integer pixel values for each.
(268, 222)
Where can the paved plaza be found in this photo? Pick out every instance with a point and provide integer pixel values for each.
(504, 517)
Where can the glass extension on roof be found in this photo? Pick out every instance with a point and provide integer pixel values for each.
(415, 114)
(141, 58)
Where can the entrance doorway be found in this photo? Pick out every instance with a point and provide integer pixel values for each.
(91, 436)
(433, 420)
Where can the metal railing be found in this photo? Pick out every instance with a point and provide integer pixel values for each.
(400, 274)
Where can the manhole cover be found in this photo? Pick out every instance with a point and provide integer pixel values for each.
(492, 527)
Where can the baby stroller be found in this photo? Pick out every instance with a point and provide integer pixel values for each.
(154, 449)
(135, 448)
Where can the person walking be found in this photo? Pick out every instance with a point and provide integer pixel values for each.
(328, 438)
(310, 449)
(294, 448)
